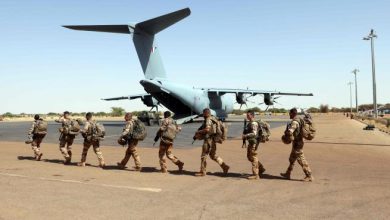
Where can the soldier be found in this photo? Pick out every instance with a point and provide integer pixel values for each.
(167, 133)
(251, 135)
(209, 145)
(131, 143)
(66, 140)
(90, 138)
(36, 138)
(293, 132)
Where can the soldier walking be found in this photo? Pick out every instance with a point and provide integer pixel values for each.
(36, 134)
(251, 135)
(131, 144)
(89, 132)
(293, 134)
(207, 133)
(66, 139)
(167, 134)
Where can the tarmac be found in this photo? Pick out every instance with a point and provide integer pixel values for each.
(351, 169)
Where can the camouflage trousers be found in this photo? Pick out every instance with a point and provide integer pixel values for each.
(166, 149)
(66, 142)
(132, 151)
(96, 149)
(209, 148)
(36, 144)
(297, 155)
(252, 157)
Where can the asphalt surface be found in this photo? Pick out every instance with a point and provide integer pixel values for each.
(17, 131)
(351, 168)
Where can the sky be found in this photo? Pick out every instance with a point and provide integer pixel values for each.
(289, 46)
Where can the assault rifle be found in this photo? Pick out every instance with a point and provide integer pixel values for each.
(244, 132)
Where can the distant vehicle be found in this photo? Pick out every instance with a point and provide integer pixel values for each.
(187, 102)
(149, 118)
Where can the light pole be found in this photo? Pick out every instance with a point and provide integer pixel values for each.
(371, 37)
(350, 96)
(356, 90)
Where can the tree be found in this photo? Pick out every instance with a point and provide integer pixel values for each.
(324, 108)
(313, 110)
(117, 111)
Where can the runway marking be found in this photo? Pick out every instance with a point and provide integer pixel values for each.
(155, 190)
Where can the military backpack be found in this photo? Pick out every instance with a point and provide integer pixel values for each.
(40, 127)
(306, 128)
(139, 131)
(264, 131)
(219, 130)
(171, 132)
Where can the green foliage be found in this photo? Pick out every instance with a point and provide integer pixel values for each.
(52, 114)
(8, 115)
(324, 108)
(117, 111)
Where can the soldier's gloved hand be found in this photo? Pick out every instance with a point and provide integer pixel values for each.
(156, 138)
(243, 137)
(194, 138)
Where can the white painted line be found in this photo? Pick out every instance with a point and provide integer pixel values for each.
(155, 190)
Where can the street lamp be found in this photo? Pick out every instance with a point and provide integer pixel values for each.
(371, 37)
(350, 96)
(356, 90)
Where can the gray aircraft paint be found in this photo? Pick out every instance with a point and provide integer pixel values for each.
(185, 101)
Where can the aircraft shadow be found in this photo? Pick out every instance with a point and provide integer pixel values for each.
(26, 158)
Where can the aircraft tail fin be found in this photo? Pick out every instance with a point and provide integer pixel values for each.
(143, 37)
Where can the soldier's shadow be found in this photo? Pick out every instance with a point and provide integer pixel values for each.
(272, 177)
(57, 161)
(26, 158)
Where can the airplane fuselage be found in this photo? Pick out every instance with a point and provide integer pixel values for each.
(185, 100)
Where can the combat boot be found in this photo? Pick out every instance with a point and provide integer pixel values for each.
(163, 170)
(180, 165)
(261, 170)
(137, 168)
(200, 174)
(67, 161)
(308, 179)
(121, 166)
(81, 164)
(38, 158)
(225, 168)
(102, 164)
(253, 177)
(286, 175)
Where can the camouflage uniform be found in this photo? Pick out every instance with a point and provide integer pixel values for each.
(132, 147)
(166, 147)
(253, 143)
(36, 140)
(90, 141)
(297, 148)
(210, 148)
(66, 140)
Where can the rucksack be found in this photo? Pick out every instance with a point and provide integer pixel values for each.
(97, 131)
(40, 127)
(219, 130)
(170, 132)
(264, 131)
(74, 127)
(307, 128)
(139, 131)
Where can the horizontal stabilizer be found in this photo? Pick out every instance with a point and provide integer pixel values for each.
(155, 25)
(121, 29)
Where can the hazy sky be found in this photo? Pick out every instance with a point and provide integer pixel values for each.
(292, 46)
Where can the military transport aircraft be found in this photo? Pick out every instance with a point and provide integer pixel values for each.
(186, 102)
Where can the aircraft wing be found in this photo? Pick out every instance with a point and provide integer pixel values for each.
(128, 97)
(252, 92)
